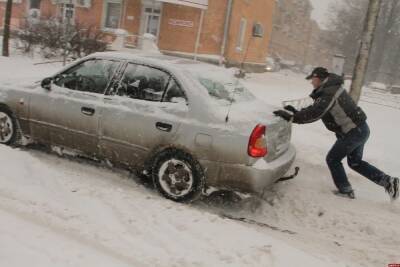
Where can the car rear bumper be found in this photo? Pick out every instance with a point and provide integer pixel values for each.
(252, 178)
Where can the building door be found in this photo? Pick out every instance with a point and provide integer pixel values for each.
(112, 14)
(34, 10)
(151, 15)
(152, 23)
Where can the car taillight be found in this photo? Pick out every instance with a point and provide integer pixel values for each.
(257, 145)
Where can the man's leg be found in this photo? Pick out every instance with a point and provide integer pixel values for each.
(334, 160)
(365, 169)
(355, 161)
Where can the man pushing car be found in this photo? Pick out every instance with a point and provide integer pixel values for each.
(341, 115)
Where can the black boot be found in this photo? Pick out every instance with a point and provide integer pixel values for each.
(348, 194)
(392, 188)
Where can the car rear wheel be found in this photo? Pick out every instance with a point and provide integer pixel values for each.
(9, 133)
(177, 175)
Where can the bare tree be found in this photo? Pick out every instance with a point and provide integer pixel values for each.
(6, 33)
(345, 26)
(345, 37)
(384, 56)
(365, 49)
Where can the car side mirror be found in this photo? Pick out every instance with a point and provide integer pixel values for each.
(46, 83)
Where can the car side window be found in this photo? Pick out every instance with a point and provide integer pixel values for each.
(143, 82)
(174, 93)
(89, 76)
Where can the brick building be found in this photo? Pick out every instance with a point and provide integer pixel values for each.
(213, 29)
(20, 10)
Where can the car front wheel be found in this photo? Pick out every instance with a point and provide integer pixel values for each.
(177, 175)
(8, 127)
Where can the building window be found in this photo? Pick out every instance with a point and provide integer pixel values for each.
(34, 4)
(241, 35)
(258, 30)
(67, 13)
(83, 3)
(112, 14)
(152, 18)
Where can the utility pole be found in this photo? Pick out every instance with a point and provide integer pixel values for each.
(68, 15)
(360, 68)
(6, 34)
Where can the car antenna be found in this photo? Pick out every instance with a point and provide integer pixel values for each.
(231, 99)
(239, 75)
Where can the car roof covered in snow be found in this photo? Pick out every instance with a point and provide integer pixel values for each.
(165, 61)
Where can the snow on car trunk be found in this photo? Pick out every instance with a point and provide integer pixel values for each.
(236, 105)
(248, 114)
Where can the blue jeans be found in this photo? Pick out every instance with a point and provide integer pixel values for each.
(351, 145)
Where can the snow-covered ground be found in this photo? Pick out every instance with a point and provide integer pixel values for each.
(58, 211)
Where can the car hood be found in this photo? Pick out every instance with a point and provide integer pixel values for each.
(20, 84)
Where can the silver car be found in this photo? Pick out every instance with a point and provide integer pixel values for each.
(186, 125)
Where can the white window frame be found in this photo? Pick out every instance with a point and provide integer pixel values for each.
(62, 13)
(241, 35)
(103, 20)
(144, 20)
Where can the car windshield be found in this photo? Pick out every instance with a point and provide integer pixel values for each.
(225, 91)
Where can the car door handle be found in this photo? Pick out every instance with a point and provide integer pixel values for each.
(163, 126)
(88, 111)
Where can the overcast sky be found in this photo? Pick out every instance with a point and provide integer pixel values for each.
(320, 10)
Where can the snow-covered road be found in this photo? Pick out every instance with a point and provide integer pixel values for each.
(60, 212)
(57, 211)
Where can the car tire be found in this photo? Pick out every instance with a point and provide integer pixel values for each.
(10, 133)
(177, 175)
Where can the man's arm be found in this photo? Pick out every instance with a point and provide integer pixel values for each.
(315, 111)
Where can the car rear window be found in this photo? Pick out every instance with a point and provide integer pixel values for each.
(225, 91)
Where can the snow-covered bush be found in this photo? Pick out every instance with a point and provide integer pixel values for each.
(87, 40)
(55, 38)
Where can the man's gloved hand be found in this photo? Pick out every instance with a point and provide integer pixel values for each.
(290, 108)
(283, 114)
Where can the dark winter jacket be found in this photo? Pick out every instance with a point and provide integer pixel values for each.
(334, 106)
